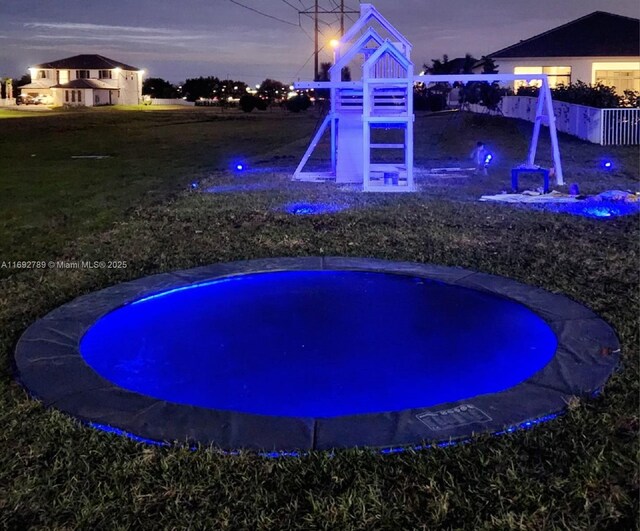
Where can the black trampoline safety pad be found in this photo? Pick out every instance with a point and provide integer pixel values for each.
(54, 369)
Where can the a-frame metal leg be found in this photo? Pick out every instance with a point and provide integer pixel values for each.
(312, 146)
(555, 147)
(536, 125)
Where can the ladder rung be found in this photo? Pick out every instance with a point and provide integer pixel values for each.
(387, 119)
(387, 146)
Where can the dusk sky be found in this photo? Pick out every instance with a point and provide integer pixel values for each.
(188, 38)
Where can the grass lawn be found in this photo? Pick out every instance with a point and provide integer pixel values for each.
(577, 472)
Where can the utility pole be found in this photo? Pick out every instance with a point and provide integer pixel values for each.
(316, 12)
(316, 71)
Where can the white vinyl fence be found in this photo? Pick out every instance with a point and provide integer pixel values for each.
(619, 127)
(158, 101)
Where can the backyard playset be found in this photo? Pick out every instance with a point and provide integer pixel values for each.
(382, 100)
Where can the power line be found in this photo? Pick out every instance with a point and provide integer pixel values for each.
(290, 4)
(305, 64)
(306, 32)
(262, 13)
(335, 9)
(312, 17)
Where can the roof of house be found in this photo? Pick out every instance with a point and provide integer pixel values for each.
(597, 34)
(35, 85)
(85, 84)
(87, 62)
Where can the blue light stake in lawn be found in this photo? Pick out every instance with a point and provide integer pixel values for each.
(239, 166)
(381, 103)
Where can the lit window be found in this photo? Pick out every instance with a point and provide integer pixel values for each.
(620, 79)
(557, 75)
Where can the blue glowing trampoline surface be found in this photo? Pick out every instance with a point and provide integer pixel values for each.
(318, 344)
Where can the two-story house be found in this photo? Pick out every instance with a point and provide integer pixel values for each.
(86, 80)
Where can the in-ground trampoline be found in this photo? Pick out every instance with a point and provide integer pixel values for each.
(316, 353)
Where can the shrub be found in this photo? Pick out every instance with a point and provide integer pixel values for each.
(261, 104)
(483, 93)
(631, 98)
(598, 95)
(248, 103)
(433, 100)
(298, 103)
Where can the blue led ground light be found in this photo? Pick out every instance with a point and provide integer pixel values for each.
(594, 209)
(312, 209)
(283, 356)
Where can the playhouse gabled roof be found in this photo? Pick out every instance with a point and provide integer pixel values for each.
(357, 48)
(387, 47)
(369, 13)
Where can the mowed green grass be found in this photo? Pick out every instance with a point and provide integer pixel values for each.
(577, 472)
(47, 197)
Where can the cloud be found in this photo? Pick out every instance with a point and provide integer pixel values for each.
(95, 27)
(69, 33)
(172, 40)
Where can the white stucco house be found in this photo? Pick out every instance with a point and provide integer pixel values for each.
(86, 80)
(600, 47)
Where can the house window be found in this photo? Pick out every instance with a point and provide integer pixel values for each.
(82, 74)
(620, 79)
(104, 74)
(79, 96)
(73, 96)
(557, 75)
(42, 74)
(62, 76)
(66, 96)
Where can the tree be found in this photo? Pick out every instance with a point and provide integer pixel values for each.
(201, 87)
(232, 89)
(273, 90)
(488, 65)
(438, 66)
(468, 63)
(157, 87)
(24, 80)
(324, 75)
(461, 65)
